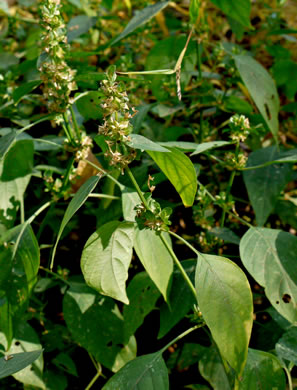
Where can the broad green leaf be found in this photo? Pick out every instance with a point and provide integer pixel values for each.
(143, 295)
(181, 299)
(18, 160)
(261, 88)
(11, 194)
(209, 145)
(225, 300)
(239, 10)
(185, 146)
(106, 258)
(269, 255)
(97, 326)
(180, 171)
(147, 372)
(286, 347)
(79, 25)
(155, 258)
(140, 142)
(17, 362)
(18, 274)
(263, 371)
(127, 353)
(140, 18)
(225, 234)
(130, 199)
(89, 106)
(194, 10)
(78, 200)
(212, 369)
(24, 89)
(265, 184)
(6, 141)
(26, 340)
(65, 363)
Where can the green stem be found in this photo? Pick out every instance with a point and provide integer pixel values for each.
(101, 196)
(93, 380)
(178, 264)
(121, 186)
(22, 210)
(78, 134)
(132, 178)
(55, 275)
(181, 336)
(290, 383)
(184, 242)
(68, 129)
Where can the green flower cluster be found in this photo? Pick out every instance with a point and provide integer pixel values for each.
(114, 132)
(57, 76)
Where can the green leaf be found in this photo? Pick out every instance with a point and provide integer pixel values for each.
(106, 258)
(265, 184)
(11, 194)
(194, 10)
(6, 141)
(89, 106)
(180, 171)
(79, 25)
(18, 273)
(83, 314)
(76, 202)
(26, 340)
(263, 371)
(143, 143)
(286, 347)
(239, 10)
(261, 87)
(24, 89)
(18, 161)
(225, 300)
(141, 18)
(17, 362)
(130, 199)
(143, 295)
(181, 299)
(225, 234)
(155, 258)
(147, 372)
(212, 369)
(209, 145)
(269, 255)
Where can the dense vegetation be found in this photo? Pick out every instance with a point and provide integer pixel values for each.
(148, 207)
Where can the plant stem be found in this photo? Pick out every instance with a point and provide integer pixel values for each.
(55, 275)
(78, 134)
(105, 174)
(68, 130)
(178, 264)
(185, 242)
(181, 336)
(290, 383)
(132, 178)
(93, 380)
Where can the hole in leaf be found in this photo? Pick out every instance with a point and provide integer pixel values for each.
(92, 100)
(286, 298)
(267, 111)
(17, 343)
(277, 302)
(109, 344)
